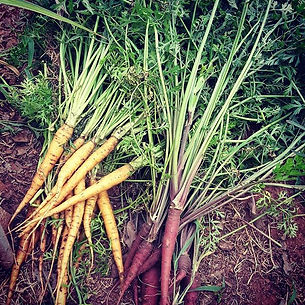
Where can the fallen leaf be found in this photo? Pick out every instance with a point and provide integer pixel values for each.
(129, 234)
(21, 137)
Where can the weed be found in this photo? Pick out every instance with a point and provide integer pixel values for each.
(292, 169)
(211, 230)
(33, 98)
(282, 209)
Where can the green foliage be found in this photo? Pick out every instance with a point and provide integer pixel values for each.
(292, 169)
(33, 99)
(282, 209)
(210, 227)
(32, 43)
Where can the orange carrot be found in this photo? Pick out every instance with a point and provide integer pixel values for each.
(54, 152)
(112, 231)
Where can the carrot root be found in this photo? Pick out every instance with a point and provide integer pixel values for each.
(143, 233)
(135, 291)
(168, 247)
(151, 261)
(112, 231)
(54, 152)
(140, 257)
(191, 297)
(150, 286)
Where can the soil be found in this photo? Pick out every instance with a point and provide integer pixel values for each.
(250, 266)
(253, 269)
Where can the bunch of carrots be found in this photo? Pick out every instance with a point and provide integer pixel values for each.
(72, 201)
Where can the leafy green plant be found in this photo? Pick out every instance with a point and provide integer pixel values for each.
(282, 209)
(33, 98)
(292, 169)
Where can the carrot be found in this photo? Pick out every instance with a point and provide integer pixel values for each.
(112, 231)
(135, 291)
(75, 225)
(81, 173)
(151, 261)
(184, 267)
(76, 159)
(140, 257)
(43, 242)
(54, 229)
(168, 247)
(104, 184)
(66, 155)
(54, 152)
(55, 245)
(63, 290)
(191, 297)
(22, 253)
(68, 214)
(89, 208)
(144, 230)
(20, 258)
(150, 286)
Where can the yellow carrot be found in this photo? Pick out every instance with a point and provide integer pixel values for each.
(96, 157)
(68, 213)
(66, 155)
(74, 227)
(112, 231)
(22, 253)
(76, 159)
(20, 258)
(63, 290)
(104, 184)
(89, 208)
(54, 152)
(43, 242)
